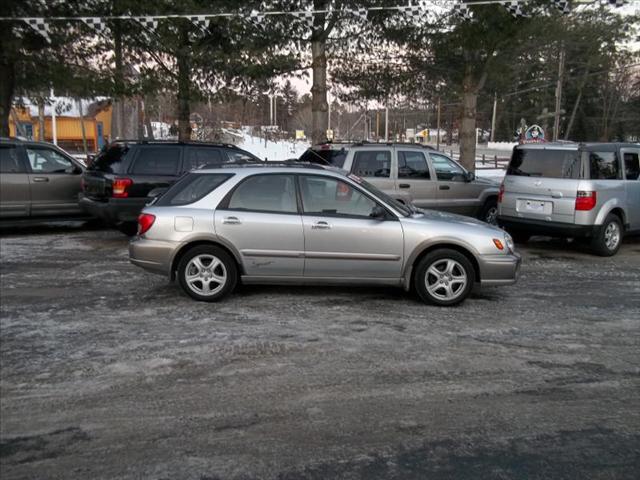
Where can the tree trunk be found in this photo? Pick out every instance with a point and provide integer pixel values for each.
(41, 120)
(319, 105)
(467, 133)
(7, 85)
(184, 74)
(117, 115)
(575, 105)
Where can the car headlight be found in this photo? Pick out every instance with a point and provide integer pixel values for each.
(509, 241)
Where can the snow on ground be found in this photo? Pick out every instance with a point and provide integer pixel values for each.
(492, 173)
(501, 145)
(280, 150)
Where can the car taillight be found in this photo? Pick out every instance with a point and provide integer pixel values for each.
(120, 186)
(585, 200)
(501, 193)
(145, 222)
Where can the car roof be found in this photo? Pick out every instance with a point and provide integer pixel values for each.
(23, 141)
(393, 144)
(267, 167)
(173, 143)
(605, 146)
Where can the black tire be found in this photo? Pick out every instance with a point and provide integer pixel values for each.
(437, 259)
(227, 267)
(520, 237)
(489, 212)
(128, 228)
(608, 238)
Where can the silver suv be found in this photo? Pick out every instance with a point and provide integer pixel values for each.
(424, 177)
(306, 224)
(589, 191)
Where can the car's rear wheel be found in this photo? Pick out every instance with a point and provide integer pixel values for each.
(444, 277)
(607, 240)
(207, 273)
(489, 212)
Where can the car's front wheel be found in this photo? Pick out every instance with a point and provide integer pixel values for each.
(207, 273)
(489, 212)
(444, 277)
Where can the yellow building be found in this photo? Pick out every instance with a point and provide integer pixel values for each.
(97, 125)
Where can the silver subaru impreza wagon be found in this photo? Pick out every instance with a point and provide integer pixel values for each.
(303, 224)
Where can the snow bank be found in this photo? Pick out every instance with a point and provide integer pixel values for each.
(501, 145)
(280, 150)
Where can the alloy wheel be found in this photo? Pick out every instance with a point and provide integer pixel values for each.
(205, 274)
(612, 236)
(446, 279)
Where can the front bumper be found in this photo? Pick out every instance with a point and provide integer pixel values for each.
(499, 269)
(152, 255)
(114, 210)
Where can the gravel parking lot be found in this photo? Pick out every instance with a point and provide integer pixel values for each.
(110, 372)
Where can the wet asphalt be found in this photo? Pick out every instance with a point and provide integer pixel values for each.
(108, 372)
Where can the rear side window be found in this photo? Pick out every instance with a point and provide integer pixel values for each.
(198, 157)
(604, 166)
(372, 163)
(265, 193)
(631, 165)
(544, 163)
(9, 162)
(191, 188)
(157, 161)
(335, 158)
(110, 159)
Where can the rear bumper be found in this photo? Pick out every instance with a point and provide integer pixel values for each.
(114, 210)
(499, 269)
(540, 227)
(152, 255)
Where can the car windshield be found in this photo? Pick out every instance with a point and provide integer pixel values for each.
(406, 210)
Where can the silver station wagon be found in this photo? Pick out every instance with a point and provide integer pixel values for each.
(307, 224)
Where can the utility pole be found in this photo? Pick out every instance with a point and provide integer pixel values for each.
(556, 122)
(378, 126)
(54, 125)
(438, 126)
(386, 123)
(493, 117)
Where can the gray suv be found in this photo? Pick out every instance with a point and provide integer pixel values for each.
(306, 224)
(37, 180)
(588, 191)
(413, 174)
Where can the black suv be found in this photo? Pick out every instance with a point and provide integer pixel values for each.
(116, 184)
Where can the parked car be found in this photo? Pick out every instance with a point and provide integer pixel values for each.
(588, 191)
(307, 224)
(118, 180)
(37, 180)
(413, 174)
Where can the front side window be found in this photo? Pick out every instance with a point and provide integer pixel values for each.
(329, 196)
(412, 164)
(157, 161)
(604, 166)
(202, 157)
(45, 160)
(265, 193)
(191, 188)
(447, 169)
(631, 165)
(9, 162)
(372, 163)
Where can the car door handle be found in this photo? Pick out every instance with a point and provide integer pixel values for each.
(40, 179)
(231, 221)
(320, 226)
(445, 187)
(404, 185)
(556, 195)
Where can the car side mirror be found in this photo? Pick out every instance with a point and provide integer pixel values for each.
(378, 212)
(470, 177)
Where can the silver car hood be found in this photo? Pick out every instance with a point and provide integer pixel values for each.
(451, 218)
